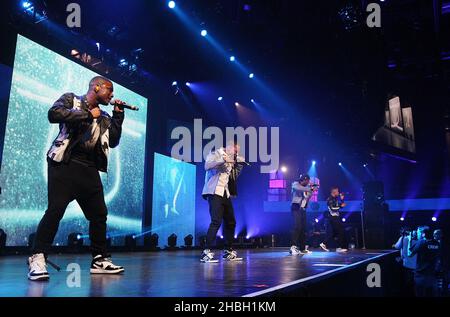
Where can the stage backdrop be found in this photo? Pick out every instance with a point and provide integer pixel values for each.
(40, 76)
(173, 199)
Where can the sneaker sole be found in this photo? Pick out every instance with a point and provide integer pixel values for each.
(212, 261)
(100, 271)
(232, 260)
(39, 277)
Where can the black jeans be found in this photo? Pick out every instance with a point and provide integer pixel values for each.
(299, 232)
(68, 182)
(220, 209)
(333, 227)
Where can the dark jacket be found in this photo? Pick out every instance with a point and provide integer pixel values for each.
(74, 118)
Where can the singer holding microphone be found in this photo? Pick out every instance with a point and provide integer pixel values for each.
(75, 158)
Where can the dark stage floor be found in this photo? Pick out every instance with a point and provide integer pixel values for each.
(179, 273)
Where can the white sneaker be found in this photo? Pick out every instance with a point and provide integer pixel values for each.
(324, 247)
(231, 255)
(341, 250)
(37, 268)
(306, 251)
(208, 257)
(295, 251)
(103, 265)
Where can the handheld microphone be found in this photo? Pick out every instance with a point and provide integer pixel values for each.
(123, 105)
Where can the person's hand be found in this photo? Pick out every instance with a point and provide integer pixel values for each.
(96, 113)
(343, 205)
(117, 107)
(228, 159)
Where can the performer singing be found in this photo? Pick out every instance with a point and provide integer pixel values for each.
(79, 151)
(301, 194)
(333, 224)
(222, 166)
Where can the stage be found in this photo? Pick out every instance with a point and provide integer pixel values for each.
(263, 272)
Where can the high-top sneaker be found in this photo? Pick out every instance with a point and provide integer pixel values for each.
(324, 247)
(294, 250)
(208, 257)
(103, 265)
(231, 255)
(37, 268)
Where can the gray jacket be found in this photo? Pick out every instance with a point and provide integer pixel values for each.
(214, 166)
(301, 194)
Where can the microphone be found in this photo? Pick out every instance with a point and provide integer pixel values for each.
(123, 105)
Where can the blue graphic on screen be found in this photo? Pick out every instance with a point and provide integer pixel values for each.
(173, 199)
(40, 77)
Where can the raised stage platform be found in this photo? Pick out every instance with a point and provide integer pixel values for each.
(263, 272)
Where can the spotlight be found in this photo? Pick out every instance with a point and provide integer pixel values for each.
(174, 83)
(251, 75)
(365, 165)
(344, 220)
(284, 169)
(171, 4)
(236, 103)
(152, 241)
(130, 241)
(402, 219)
(252, 100)
(313, 162)
(316, 220)
(188, 240)
(235, 236)
(221, 237)
(172, 240)
(220, 98)
(123, 62)
(188, 84)
(75, 239)
(26, 4)
(434, 219)
(232, 58)
(204, 33)
(340, 164)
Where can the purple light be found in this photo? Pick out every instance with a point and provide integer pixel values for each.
(247, 7)
(316, 220)
(402, 219)
(434, 219)
(344, 220)
(188, 84)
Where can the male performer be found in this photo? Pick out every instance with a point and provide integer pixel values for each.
(301, 194)
(333, 223)
(79, 151)
(222, 169)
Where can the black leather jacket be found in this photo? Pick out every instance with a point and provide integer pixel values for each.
(71, 112)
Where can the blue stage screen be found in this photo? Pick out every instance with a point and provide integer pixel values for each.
(173, 199)
(40, 77)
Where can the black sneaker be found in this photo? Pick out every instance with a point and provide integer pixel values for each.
(231, 255)
(208, 257)
(103, 265)
(37, 268)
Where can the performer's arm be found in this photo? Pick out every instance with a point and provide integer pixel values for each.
(296, 186)
(115, 130)
(332, 206)
(62, 111)
(213, 160)
(415, 246)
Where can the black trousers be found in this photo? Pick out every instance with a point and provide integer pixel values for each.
(220, 209)
(299, 232)
(334, 228)
(68, 182)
